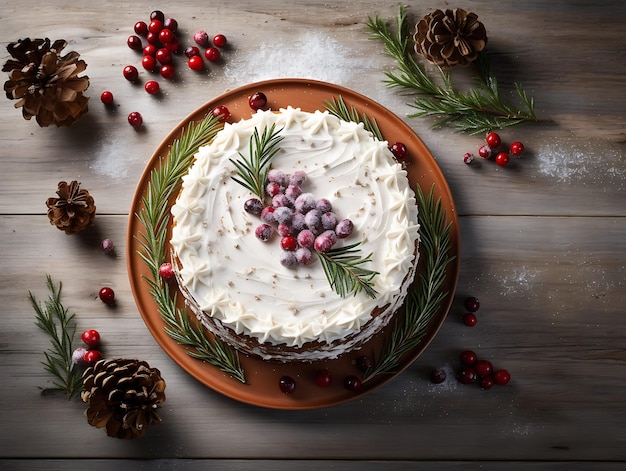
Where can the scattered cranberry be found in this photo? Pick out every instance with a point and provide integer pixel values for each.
(107, 295)
(195, 63)
(468, 358)
(323, 378)
(152, 87)
(466, 375)
(212, 54)
(130, 73)
(501, 377)
(502, 159)
(468, 158)
(219, 40)
(517, 148)
(166, 36)
(135, 119)
(155, 26)
(486, 382)
(484, 152)
(157, 15)
(201, 38)
(363, 363)
(141, 28)
(152, 38)
(170, 24)
(483, 368)
(167, 71)
(134, 42)
(470, 319)
(437, 376)
(173, 45)
(472, 304)
(92, 356)
(352, 383)
(107, 246)
(106, 97)
(166, 271)
(149, 63)
(493, 140)
(257, 101)
(399, 151)
(149, 50)
(90, 337)
(220, 112)
(163, 56)
(287, 384)
(192, 51)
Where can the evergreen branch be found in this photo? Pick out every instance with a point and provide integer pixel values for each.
(252, 171)
(56, 321)
(339, 108)
(154, 217)
(345, 273)
(423, 301)
(480, 109)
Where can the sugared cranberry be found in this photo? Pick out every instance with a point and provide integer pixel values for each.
(167, 71)
(192, 51)
(502, 159)
(323, 378)
(483, 368)
(470, 319)
(472, 304)
(468, 158)
(267, 214)
(288, 243)
(155, 26)
(130, 73)
(264, 232)
(399, 151)
(107, 246)
(363, 363)
(352, 383)
(141, 28)
(152, 87)
(166, 36)
(325, 241)
(501, 377)
(466, 375)
(219, 40)
(163, 56)
(304, 256)
(437, 376)
(486, 382)
(106, 97)
(306, 238)
(517, 148)
(220, 112)
(257, 101)
(148, 63)
(344, 228)
(92, 356)
(212, 54)
(484, 152)
(493, 140)
(201, 38)
(135, 119)
(149, 50)
(134, 42)
(90, 337)
(287, 384)
(106, 295)
(272, 189)
(157, 15)
(468, 357)
(171, 24)
(166, 271)
(195, 63)
(288, 258)
(253, 206)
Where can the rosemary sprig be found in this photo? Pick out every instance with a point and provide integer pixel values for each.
(154, 216)
(339, 108)
(58, 323)
(345, 273)
(476, 111)
(424, 300)
(252, 171)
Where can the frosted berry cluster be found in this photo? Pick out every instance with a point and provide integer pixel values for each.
(304, 223)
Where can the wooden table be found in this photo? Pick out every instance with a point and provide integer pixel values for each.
(543, 247)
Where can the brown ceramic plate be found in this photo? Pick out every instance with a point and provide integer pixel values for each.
(262, 376)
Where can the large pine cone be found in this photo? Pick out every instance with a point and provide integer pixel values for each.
(124, 396)
(450, 38)
(74, 208)
(46, 83)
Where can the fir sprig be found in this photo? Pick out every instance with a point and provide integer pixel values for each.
(423, 301)
(338, 107)
(343, 267)
(154, 216)
(252, 170)
(56, 321)
(478, 110)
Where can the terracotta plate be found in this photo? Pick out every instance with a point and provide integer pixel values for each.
(263, 377)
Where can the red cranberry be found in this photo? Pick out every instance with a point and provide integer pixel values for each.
(149, 63)
(289, 243)
(90, 337)
(192, 51)
(134, 42)
(92, 356)
(171, 24)
(166, 271)
(164, 56)
(501, 377)
(257, 101)
(212, 54)
(493, 140)
(470, 319)
(195, 63)
(323, 378)
(157, 15)
(483, 368)
(517, 148)
(502, 159)
(363, 363)
(130, 73)
(399, 151)
(173, 46)
(166, 36)
(466, 375)
(486, 382)
(149, 50)
(219, 40)
(135, 119)
(351, 383)
(437, 376)
(468, 357)
(152, 87)
(472, 304)
(221, 112)
(107, 295)
(287, 384)
(152, 38)
(141, 28)
(167, 71)
(155, 26)
(106, 97)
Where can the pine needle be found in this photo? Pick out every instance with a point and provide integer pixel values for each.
(339, 108)
(344, 270)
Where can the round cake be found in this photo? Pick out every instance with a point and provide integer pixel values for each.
(244, 287)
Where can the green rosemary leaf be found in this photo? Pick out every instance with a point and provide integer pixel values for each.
(343, 267)
(424, 300)
(56, 321)
(339, 108)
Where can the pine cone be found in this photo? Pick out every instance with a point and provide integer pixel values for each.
(73, 210)
(123, 396)
(46, 83)
(450, 38)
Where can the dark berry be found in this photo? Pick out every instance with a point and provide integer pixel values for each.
(141, 28)
(153, 38)
(323, 378)
(351, 383)
(363, 363)
(399, 151)
(171, 24)
(437, 376)
(466, 375)
(149, 63)
(220, 111)
(192, 51)
(483, 368)
(135, 119)
(163, 56)
(157, 15)
(253, 206)
(212, 54)
(501, 377)
(468, 357)
(486, 382)
(219, 40)
(130, 73)
(167, 71)
(134, 42)
(106, 97)
(287, 384)
(257, 101)
(107, 295)
(472, 304)
(173, 45)
(470, 319)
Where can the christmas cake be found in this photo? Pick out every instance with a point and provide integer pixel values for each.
(257, 270)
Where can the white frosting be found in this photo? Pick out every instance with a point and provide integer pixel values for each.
(234, 277)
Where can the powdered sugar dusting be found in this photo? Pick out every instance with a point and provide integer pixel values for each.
(519, 279)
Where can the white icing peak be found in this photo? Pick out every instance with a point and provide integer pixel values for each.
(239, 280)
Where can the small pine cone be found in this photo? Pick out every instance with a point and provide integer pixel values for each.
(46, 83)
(73, 210)
(453, 37)
(124, 396)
